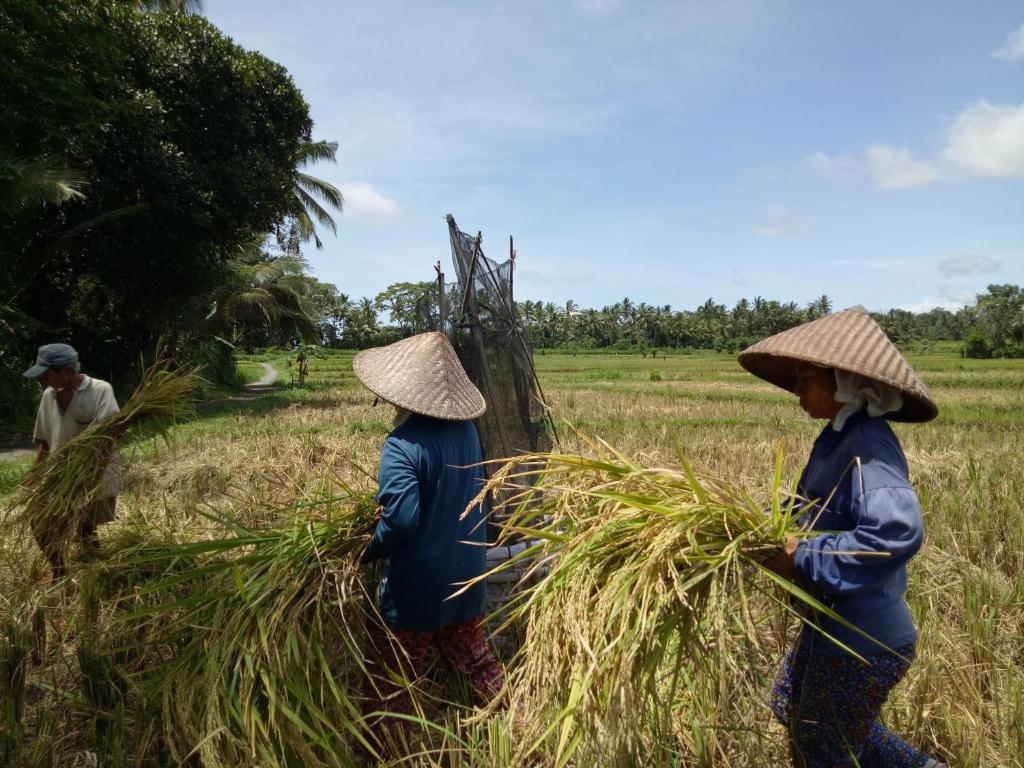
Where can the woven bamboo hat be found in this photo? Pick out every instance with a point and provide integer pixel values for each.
(421, 374)
(850, 341)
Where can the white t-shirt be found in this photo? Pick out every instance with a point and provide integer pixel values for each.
(93, 401)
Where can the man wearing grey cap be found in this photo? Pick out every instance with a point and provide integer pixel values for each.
(71, 402)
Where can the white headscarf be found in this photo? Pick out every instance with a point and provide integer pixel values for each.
(401, 416)
(856, 391)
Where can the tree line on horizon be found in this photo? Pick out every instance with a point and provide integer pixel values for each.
(993, 326)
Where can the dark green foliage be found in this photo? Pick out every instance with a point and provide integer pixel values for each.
(215, 356)
(978, 344)
(188, 144)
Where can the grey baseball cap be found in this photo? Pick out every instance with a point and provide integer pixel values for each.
(52, 356)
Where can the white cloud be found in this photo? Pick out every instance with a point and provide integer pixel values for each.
(988, 140)
(984, 140)
(888, 166)
(968, 264)
(927, 305)
(955, 296)
(896, 167)
(363, 201)
(839, 168)
(598, 7)
(1013, 48)
(778, 221)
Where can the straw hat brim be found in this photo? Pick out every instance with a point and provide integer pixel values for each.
(781, 371)
(849, 341)
(421, 374)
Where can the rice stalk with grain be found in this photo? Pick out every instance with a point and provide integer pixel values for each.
(644, 582)
(56, 493)
(252, 653)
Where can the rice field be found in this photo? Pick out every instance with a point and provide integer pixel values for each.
(963, 699)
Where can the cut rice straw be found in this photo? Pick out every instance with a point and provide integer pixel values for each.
(57, 492)
(635, 571)
(254, 651)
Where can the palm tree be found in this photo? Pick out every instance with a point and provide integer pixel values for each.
(33, 181)
(266, 292)
(341, 309)
(312, 193)
(569, 315)
(625, 309)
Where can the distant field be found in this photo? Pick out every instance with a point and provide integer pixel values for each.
(964, 697)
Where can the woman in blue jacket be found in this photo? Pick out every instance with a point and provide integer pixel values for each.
(430, 472)
(846, 370)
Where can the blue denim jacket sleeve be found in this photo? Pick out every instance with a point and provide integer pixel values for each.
(888, 532)
(399, 497)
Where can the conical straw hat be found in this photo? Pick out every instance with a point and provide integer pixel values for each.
(421, 374)
(850, 341)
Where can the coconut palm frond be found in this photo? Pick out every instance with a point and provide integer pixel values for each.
(311, 206)
(307, 230)
(34, 181)
(293, 264)
(265, 272)
(321, 189)
(313, 196)
(253, 305)
(317, 151)
(318, 211)
(300, 325)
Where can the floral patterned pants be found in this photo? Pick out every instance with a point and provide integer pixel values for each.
(399, 658)
(831, 703)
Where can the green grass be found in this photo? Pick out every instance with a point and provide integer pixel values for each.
(249, 372)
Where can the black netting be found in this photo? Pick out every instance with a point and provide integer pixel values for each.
(480, 316)
(492, 343)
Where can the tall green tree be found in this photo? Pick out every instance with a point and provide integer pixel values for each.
(1000, 313)
(411, 306)
(189, 145)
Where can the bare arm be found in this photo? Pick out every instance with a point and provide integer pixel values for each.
(44, 450)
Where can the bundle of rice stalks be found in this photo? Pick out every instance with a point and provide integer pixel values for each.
(650, 575)
(252, 652)
(14, 651)
(56, 493)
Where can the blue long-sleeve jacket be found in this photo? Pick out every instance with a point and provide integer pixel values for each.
(873, 523)
(429, 472)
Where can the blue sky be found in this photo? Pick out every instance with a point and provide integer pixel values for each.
(668, 151)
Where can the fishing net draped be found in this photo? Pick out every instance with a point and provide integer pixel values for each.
(480, 317)
(483, 324)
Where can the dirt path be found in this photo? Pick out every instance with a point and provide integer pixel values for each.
(252, 391)
(16, 450)
(269, 377)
